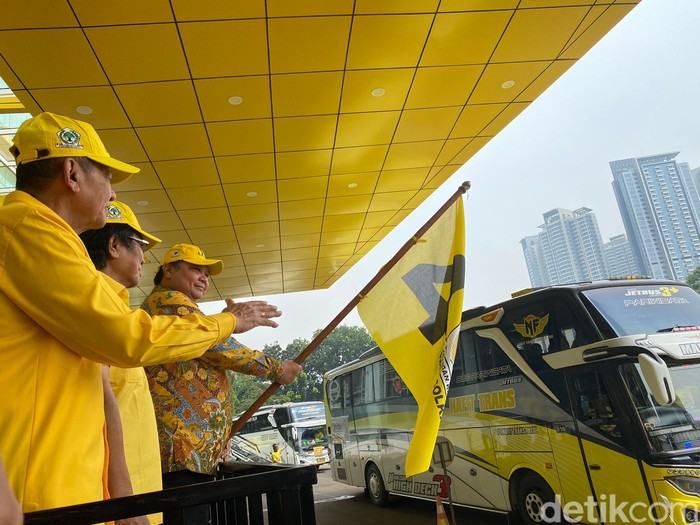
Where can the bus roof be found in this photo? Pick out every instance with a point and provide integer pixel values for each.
(376, 351)
(271, 408)
(521, 297)
(524, 295)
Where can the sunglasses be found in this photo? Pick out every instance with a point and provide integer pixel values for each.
(142, 242)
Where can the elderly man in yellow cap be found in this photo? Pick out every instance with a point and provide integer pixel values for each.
(134, 460)
(60, 317)
(192, 398)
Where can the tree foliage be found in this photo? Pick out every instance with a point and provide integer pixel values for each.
(693, 279)
(342, 345)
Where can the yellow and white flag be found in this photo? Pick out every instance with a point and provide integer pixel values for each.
(414, 314)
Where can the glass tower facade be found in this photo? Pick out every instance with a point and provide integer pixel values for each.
(619, 257)
(660, 208)
(568, 249)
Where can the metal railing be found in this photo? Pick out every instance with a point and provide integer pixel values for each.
(237, 497)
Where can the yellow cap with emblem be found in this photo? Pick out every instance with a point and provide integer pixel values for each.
(120, 213)
(193, 255)
(48, 136)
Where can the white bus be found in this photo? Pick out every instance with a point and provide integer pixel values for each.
(561, 405)
(298, 430)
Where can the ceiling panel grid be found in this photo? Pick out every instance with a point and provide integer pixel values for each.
(289, 138)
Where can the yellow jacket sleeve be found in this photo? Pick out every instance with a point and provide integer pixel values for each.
(45, 273)
(227, 355)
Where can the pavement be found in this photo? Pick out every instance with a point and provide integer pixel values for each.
(340, 504)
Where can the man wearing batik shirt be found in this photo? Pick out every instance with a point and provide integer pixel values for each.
(192, 399)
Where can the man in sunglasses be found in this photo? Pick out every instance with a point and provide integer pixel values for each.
(134, 460)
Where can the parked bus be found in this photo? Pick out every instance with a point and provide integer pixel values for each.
(298, 430)
(561, 404)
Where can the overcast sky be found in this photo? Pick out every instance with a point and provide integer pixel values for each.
(637, 92)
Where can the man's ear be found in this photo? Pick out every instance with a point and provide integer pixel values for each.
(113, 246)
(71, 174)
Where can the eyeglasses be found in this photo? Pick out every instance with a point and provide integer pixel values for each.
(143, 243)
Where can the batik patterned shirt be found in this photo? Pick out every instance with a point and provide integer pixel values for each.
(192, 399)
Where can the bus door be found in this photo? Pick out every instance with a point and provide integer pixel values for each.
(607, 441)
(367, 430)
(395, 408)
(343, 434)
(290, 445)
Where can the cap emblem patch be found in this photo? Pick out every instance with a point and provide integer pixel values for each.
(113, 212)
(69, 139)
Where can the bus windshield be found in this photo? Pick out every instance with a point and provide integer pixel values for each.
(674, 427)
(631, 310)
(308, 412)
(311, 437)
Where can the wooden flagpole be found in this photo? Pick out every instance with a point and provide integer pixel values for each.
(238, 424)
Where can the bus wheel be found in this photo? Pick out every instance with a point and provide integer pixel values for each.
(378, 495)
(533, 494)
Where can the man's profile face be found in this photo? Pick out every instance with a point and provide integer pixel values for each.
(125, 267)
(96, 194)
(190, 279)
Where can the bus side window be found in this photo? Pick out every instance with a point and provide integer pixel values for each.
(358, 395)
(551, 323)
(465, 370)
(480, 359)
(390, 384)
(282, 417)
(492, 363)
(595, 406)
(363, 386)
(528, 323)
(532, 352)
(458, 367)
(346, 386)
(571, 330)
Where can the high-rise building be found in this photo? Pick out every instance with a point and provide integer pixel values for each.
(695, 173)
(568, 249)
(534, 261)
(619, 257)
(660, 208)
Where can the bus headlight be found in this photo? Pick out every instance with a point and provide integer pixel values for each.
(686, 484)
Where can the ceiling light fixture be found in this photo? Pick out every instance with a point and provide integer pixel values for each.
(235, 100)
(142, 203)
(352, 185)
(259, 245)
(378, 92)
(84, 110)
(508, 84)
(251, 194)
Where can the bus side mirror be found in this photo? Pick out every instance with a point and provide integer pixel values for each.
(295, 435)
(658, 378)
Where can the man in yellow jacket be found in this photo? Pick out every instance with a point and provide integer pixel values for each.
(61, 319)
(118, 251)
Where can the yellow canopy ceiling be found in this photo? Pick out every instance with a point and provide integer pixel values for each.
(288, 138)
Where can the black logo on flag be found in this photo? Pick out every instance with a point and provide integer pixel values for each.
(421, 279)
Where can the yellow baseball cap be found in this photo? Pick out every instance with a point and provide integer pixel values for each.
(120, 213)
(48, 136)
(193, 255)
